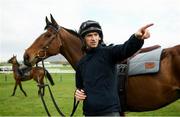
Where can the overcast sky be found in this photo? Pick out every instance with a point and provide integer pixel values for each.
(22, 21)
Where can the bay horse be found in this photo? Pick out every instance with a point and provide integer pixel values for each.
(36, 73)
(144, 92)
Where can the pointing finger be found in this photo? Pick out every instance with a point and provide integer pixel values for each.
(147, 26)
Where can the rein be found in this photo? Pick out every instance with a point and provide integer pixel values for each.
(75, 103)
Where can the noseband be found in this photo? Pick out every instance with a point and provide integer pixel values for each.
(42, 51)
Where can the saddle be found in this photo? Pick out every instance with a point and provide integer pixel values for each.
(122, 75)
(24, 71)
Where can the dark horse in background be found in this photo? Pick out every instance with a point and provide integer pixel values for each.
(36, 73)
(144, 92)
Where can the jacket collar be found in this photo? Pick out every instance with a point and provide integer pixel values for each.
(92, 50)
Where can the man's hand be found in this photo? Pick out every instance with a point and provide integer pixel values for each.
(143, 32)
(80, 95)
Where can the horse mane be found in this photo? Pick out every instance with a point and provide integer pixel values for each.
(73, 32)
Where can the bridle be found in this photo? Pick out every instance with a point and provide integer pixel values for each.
(42, 53)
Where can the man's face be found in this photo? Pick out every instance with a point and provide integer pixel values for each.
(92, 39)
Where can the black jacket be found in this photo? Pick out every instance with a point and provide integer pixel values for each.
(96, 74)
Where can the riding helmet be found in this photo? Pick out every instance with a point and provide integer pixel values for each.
(90, 26)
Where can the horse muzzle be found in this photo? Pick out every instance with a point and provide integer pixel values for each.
(29, 61)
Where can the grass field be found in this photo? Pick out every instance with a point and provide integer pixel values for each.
(63, 90)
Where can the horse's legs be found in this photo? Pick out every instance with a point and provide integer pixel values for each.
(20, 85)
(40, 82)
(41, 89)
(14, 89)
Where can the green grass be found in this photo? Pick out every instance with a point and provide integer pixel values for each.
(63, 90)
(31, 105)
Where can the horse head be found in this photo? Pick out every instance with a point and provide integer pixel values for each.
(12, 60)
(55, 40)
(49, 40)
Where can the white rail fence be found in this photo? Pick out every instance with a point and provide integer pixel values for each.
(50, 68)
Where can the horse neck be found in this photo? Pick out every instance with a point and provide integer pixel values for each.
(15, 66)
(71, 48)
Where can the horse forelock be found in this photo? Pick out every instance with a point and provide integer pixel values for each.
(52, 26)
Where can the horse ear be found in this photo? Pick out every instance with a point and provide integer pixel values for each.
(54, 21)
(47, 21)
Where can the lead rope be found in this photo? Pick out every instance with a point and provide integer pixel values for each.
(52, 97)
(42, 98)
(43, 101)
(75, 104)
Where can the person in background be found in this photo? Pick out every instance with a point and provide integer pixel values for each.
(96, 77)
